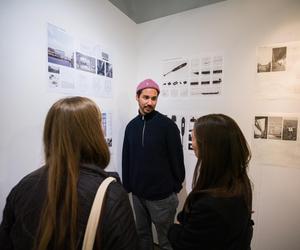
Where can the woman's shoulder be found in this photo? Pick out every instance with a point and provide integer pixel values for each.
(30, 187)
(34, 175)
(30, 180)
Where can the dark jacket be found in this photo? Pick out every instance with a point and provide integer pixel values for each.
(213, 224)
(152, 160)
(25, 201)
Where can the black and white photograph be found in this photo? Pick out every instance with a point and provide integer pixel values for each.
(109, 70)
(53, 69)
(100, 67)
(260, 127)
(60, 57)
(290, 127)
(279, 59)
(60, 47)
(275, 127)
(105, 56)
(264, 59)
(85, 63)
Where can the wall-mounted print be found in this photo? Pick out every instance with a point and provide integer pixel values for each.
(278, 59)
(77, 67)
(60, 47)
(290, 128)
(260, 127)
(101, 67)
(174, 78)
(274, 127)
(278, 71)
(264, 59)
(182, 123)
(195, 76)
(85, 63)
(206, 75)
(281, 144)
(107, 128)
(109, 70)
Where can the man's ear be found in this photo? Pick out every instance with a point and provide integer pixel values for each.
(137, 97)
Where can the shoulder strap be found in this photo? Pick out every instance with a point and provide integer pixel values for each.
(91, 228)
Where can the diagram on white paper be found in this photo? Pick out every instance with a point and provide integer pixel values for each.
(175, 78)
(206, 75)
(196, 76)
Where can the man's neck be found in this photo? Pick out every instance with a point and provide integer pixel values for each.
(146, 114)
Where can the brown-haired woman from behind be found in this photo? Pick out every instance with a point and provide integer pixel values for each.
(49, 208)
(217, 213)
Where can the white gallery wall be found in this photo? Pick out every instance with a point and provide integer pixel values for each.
(236, 28)
(24, 99)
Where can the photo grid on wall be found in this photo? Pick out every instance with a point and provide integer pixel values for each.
(275, 135)
(78, 67)
(276, 140)
(82, 68)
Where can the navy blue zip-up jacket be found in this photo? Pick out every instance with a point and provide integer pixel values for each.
(152, 159)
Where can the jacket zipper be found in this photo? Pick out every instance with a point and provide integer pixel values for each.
(143, 118)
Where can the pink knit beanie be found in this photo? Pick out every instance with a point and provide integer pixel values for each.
(148, 83)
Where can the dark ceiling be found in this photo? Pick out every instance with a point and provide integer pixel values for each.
(145, 10)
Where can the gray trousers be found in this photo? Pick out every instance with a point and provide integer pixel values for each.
(161, 213)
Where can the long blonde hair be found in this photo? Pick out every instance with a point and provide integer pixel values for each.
(72, 135)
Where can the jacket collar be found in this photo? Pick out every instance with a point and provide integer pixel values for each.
(97, 169)
(93, 168)
(147, 116)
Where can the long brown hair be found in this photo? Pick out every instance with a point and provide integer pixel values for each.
(223, 158)
(72, 135)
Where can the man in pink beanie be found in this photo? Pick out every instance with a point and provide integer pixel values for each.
(152, 167)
